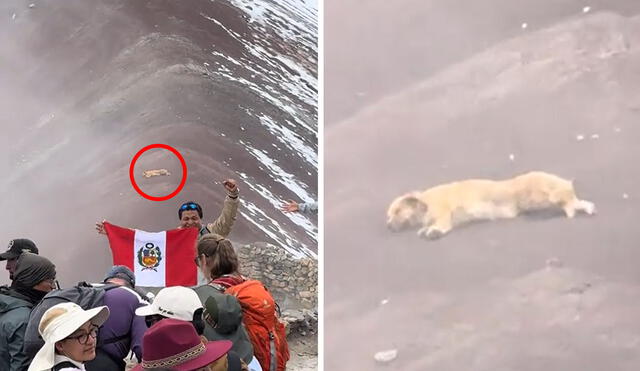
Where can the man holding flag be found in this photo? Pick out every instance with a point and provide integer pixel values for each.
(166, 258)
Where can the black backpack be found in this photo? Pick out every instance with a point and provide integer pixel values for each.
(83, 294)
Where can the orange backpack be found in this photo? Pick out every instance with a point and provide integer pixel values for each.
(265, 330)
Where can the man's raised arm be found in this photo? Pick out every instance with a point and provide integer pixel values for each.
(227, 218)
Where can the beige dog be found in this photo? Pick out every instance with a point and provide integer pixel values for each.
(152, 173)
(438, 209)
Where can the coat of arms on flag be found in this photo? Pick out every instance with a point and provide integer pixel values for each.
(149, 256)
(157, 259)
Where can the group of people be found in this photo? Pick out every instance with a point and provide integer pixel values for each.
(226, 322)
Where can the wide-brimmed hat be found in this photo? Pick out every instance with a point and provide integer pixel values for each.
(57, 323)
(177, 302)
(175, 344)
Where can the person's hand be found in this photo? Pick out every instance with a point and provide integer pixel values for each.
(290, 207)
(230, 185)
(100, 227)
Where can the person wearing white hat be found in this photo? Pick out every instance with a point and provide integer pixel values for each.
(69, 335)
(183, 303)
(177, 302)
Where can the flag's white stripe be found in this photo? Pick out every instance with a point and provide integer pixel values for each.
(146, 276)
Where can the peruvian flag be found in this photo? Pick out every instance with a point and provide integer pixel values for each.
(157, 259)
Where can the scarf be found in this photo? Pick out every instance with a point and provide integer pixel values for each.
(31, 295)
(229, 280)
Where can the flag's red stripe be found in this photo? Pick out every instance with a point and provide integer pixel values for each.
(121, 244)
(181, 250)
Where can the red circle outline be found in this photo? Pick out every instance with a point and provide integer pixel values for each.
(182, 162)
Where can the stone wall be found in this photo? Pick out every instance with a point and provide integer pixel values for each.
(293, 282)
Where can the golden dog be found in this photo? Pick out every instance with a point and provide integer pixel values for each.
(438, 209)
(152, 173)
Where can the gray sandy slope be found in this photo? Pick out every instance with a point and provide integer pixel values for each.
(482, 298)
(378, 47)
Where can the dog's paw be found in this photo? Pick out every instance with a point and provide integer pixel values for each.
(590, 208)
(430, 233)
(587, 207)
(422, 232)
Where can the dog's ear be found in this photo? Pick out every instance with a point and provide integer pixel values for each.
(412, 200)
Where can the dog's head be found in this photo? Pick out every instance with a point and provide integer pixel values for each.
(405, 212)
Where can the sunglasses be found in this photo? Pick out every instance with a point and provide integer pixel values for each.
(189, 206)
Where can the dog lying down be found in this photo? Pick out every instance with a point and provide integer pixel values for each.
(438, 209)
(158, 172)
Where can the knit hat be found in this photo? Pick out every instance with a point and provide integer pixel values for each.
(31, 269)
(122, 272)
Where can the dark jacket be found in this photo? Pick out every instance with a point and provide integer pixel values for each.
(14, 316)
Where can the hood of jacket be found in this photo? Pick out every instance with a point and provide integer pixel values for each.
(10, 300)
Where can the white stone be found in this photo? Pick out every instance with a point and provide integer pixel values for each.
(386, 355)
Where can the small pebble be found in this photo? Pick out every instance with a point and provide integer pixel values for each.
(625, 196)
(586, 9)
(595, 136)
(386, 356)
(524, 26)
(579, 137)
(554, 263)
(384, 301)
(512, 157)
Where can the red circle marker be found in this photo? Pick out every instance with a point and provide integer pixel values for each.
(182, 162)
